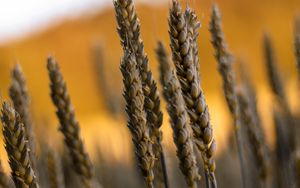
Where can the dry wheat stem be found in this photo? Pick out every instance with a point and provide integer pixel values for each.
(129, 32)
(285, 176)
(133, 94)
(278, 90)
(17, 148)
(69, 126)
(225, 61)
(180, 124)
(255, 140)
(55, 174)
(185, 62)
(19, 95)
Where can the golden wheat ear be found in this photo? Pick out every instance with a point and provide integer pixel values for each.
(137, 124)
(18, 93)
(69, 126)
(183, 35)
(128, 26)
(17, 149)
(179, 119)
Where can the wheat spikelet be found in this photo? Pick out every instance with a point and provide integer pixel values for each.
(19, 95)
(225, 61)
(185, 61)
(68, 124)
(193, 27)
(4, 181)
(129, 32)
(137, 124)
(17, 148)
(55, 174)
(255, 140)
(180, 124)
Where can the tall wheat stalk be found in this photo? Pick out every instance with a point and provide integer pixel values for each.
(182, 134)
(17, 149)
(133, 94)
(286, 154)
(256, 143)
(225, 61)
(19, 95)
(69, 126)
(128, 26)
(54, 169)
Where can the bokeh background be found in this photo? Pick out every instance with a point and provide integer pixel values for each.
(74, 32)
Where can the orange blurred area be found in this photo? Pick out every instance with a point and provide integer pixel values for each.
(72, 41)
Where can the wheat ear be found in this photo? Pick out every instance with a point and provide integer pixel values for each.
(180, 123)
(225, 61)
(19, 95)
(69, 126)
(133, 94)
(184, 60)
(55, 174)
(17, 148)
(129, 32)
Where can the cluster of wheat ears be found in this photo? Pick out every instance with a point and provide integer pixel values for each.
(186, 106)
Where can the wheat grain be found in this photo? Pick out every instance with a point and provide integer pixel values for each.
(137, 124)
(129, 32)
(180, 124)
(69, 125)
(17, 148)
(19, 95)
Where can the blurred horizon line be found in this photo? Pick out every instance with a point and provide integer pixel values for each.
(40, 16)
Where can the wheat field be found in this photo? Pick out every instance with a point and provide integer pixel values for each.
(157, 127)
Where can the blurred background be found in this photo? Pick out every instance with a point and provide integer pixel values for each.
(82, 36)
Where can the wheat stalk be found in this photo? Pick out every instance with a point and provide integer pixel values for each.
(225, 61)
(17, 148)
(256, 142)
(185, 61)
(19, 95)
(278, 90)
(180, 124)
(137, 124)
(68, 124)
(285, 176)
(129, 32)
(55, 174)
